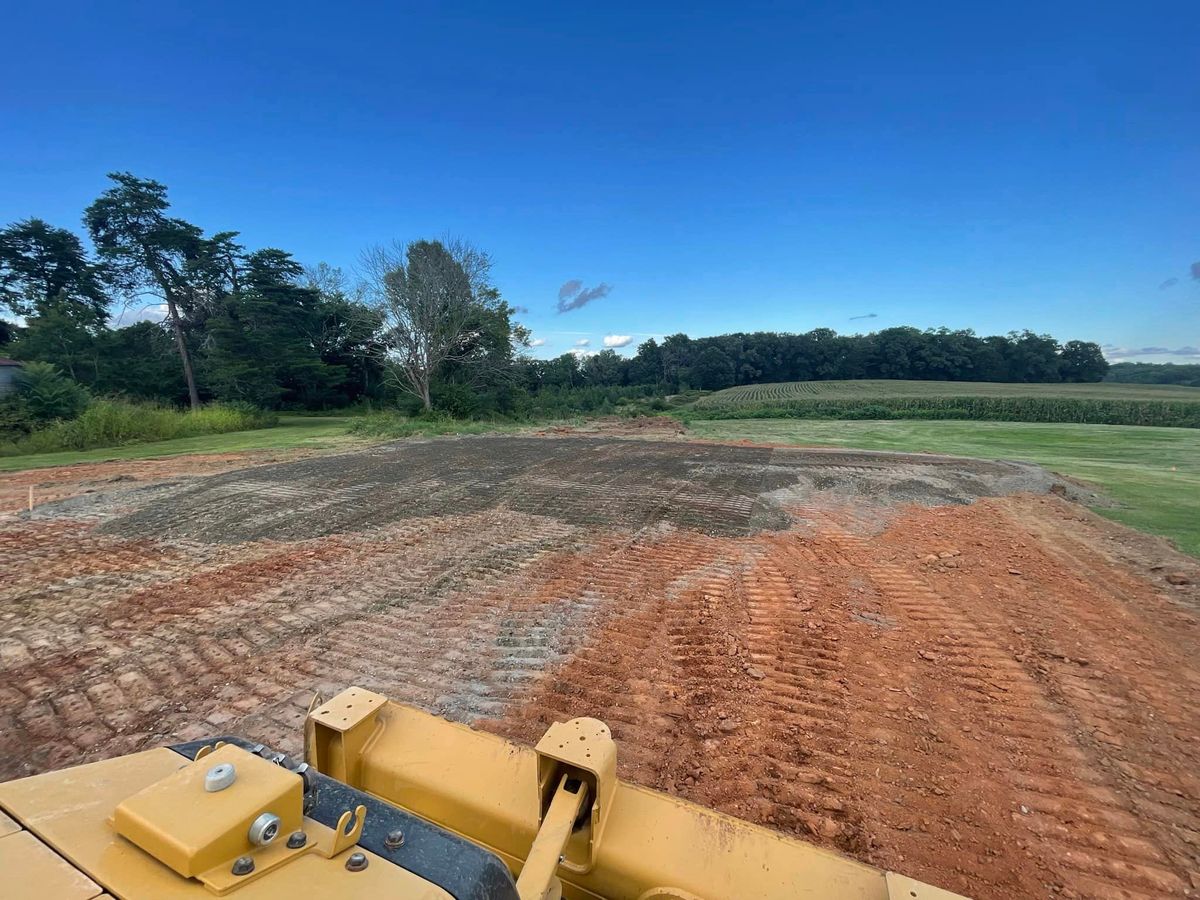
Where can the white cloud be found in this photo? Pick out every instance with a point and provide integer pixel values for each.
(154, 312)
(579, 353)
(1111, 351)
(617, 340)
(538, 342)
(582, 342)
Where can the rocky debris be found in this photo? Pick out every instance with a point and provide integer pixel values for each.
(872, 618)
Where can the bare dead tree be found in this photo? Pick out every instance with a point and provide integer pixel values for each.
(332, 281)
(428, 295)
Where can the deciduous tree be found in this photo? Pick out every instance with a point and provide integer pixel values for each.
(431, 297)
(1082, 361)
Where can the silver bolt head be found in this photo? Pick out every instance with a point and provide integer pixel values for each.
(243, 865)
(219, 777)
(394, 839)
(264, 829)
(296, 840)
(356, 862)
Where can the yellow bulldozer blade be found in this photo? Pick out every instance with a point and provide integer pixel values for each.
(393, 802)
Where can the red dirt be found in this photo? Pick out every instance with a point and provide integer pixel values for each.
(62, 482)
(995, 698)
(1015, 719)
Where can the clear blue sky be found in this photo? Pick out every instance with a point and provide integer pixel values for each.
(722, 166)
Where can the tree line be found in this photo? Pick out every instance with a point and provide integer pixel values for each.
(237, 324)
(679, 363)
(422, 325)
(1184, 374)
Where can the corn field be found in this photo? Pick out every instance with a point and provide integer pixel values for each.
(1105, 404)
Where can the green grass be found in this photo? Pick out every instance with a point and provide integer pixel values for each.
(1153, 473)
(292, 431)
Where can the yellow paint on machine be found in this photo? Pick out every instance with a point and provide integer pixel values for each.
(149, 825)
(70, 811)
(32, 871)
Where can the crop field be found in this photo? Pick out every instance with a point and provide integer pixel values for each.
(868, 389)
(1110, 404)
(939, 665)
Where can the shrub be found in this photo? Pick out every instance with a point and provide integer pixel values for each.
(42, 395)
(111, 423)
(559, 402)
(397, 425)
(455, 400)
(45, 394)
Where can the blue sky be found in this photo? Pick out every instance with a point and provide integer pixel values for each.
(721, 166)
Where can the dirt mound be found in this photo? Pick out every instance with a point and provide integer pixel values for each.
(716, 489)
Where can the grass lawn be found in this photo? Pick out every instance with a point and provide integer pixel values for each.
(292, 431)
(1153, 473)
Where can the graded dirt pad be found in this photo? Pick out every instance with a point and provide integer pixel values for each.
(713, 488)
(995, 696)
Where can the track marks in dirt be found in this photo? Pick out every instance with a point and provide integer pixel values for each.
(1112, 660)
(1014, 718)
(797, 704)
(1063, 793)
(182, 648)
(53, 484)
(833, 685)
(714, 688)
(982, 705)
